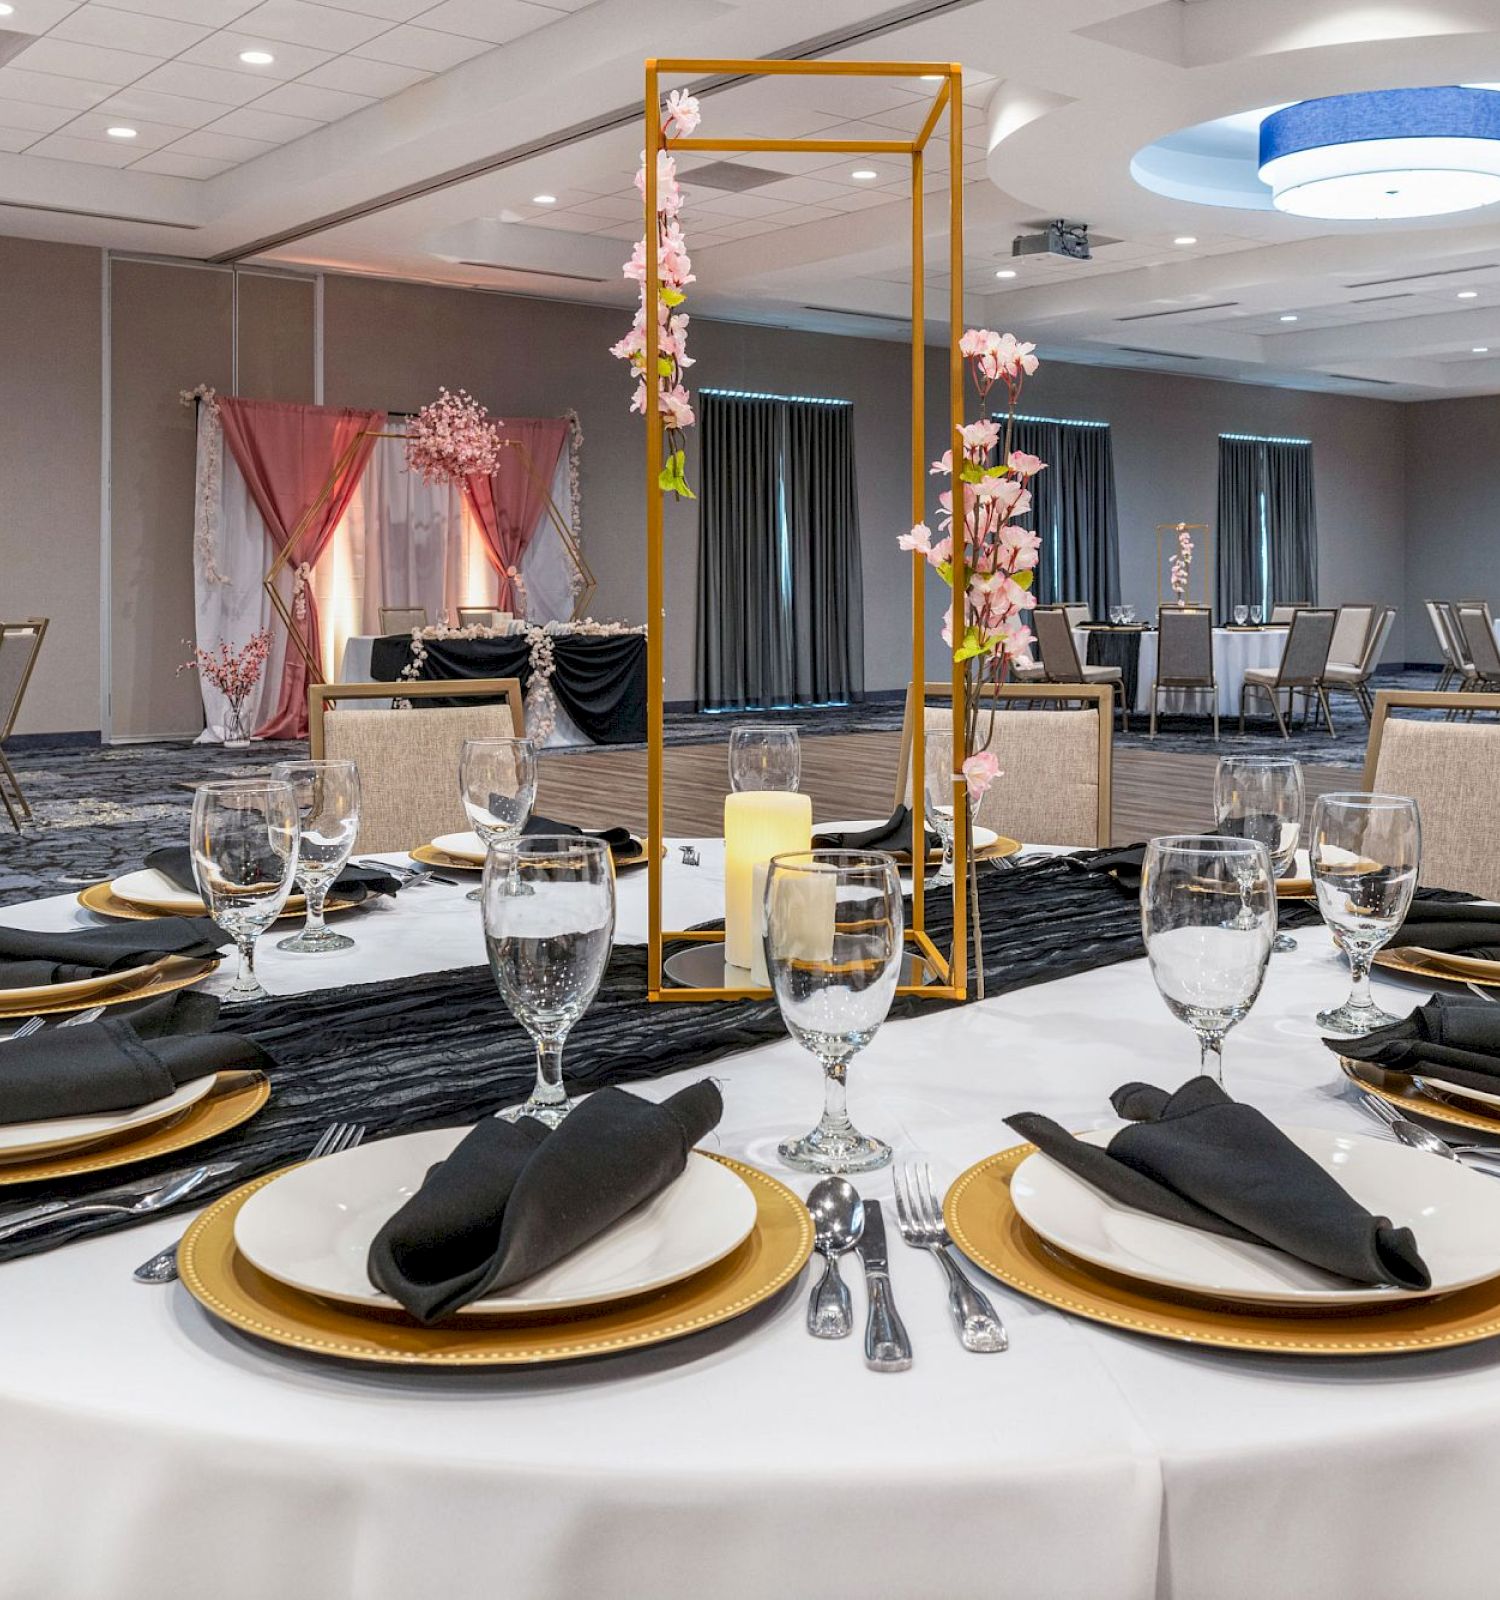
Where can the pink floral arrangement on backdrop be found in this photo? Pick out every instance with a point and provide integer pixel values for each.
(675, 270)
(451, 437)
(1182, 563)
(1000, 556)
(234, 673)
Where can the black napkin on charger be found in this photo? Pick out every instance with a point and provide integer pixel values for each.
(353, 884)
(31, 957)
(621, 841)
(1449, 1040)
(515, 1197)
(1126, 864)
(1199, 1158)
(125, 1059)
(893, 836)
(1454, 927)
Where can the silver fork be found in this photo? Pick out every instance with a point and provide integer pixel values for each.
(36, 1024)
(920, 1218)
(1420, 1138)
(162, 1267)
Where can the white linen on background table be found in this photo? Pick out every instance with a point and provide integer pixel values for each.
(149, 1453)
(1234, 654)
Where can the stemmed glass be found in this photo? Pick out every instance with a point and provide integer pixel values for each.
(497, 779)
(937, 790)
(1260, 797)
(244, 842)
(1256, 613)
(327, 794)
(1240, 613)
(765, 756)
(1128, 612)
(1208, 915)
(1365, 851)
(834, 932)
(549, 921)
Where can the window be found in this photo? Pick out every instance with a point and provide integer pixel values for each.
(1267, 523)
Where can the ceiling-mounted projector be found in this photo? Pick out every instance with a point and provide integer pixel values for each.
(1070, 239)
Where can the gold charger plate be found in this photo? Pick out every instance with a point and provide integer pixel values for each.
(234, 1099)
(429, 855)
(1398, 1089)
(102, 901)
(1417, 962)
(229, 1288)
(987, 1228)
(176, 972)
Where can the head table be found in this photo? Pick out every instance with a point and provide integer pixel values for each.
(149, 1452)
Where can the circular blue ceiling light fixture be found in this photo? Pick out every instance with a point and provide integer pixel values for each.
(1391, 153)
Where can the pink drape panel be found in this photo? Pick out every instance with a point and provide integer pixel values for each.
(510, 503)
(290, 455)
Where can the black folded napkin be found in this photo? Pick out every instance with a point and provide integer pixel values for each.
(353, 884)
(1123, 866)
(1453, 927)
(1449, 1040)
(29, 957)
(515, 1197)
(893, 836)
(121, 1061)
(1199, 1158)
(621, 841)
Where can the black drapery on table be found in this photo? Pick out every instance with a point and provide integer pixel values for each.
(599, 679)
(1110, 647)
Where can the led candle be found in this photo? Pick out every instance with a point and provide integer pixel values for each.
(758, 824)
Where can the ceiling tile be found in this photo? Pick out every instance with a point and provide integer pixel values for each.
(13, 140)
(355, 75)
(222, 49)
(220, 146)
(176, 165)
(204, 83)
(95, 152)
(389, 10)
(496, 21)
(38, 16)
(176, 110)
(302, 100)
(212, 13)
(322, 27)
(148, 135)
(803, 191)
(422, 47)
(251, 122)
(47, 90)
(87, 61)
(128, 30)
(28, 115)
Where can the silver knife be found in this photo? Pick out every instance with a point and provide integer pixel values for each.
(123, 1195)
(887, 1347)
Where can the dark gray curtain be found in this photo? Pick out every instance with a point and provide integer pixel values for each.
(822, 525)
(1073, 509)
(1267, 524)
(744, 630)
(780, 584)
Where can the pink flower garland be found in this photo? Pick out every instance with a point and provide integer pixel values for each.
(452, 437)
(1182, 563)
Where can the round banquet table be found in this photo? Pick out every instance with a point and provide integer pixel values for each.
(1234, 653)
(148, 1452)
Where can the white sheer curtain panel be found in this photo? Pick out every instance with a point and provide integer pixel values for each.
(546, 569)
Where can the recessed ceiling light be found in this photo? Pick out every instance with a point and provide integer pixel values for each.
(544, 199)
(1006, 272)
(6, 10)
(1186, 238)
(120, 133)
(864, 174)
(1468, 294)
(257, 58)
(1480, 350)
(1289, 316)
(927, 77)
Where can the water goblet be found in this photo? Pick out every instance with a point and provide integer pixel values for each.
(1365, 851)
(1208, 915)
(1260, 797)
(1256, 614)
(833, 935)
(497, 780)
(1240, 613)
(937, 792)
(327, 794)
(549, 922)
(1129, 614)
(1115, 615)
(244, 842)
(765, 756)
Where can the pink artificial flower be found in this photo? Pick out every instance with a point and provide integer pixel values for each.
(980, 437)
(920, 538)
(944, 464)
(1025, 466)
(683, 115)
(974, 341)
(980, 771)
(676, 407)
(1023, 542)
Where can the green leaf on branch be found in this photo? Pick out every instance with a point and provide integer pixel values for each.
(672, 297)
(672, 478)
(972, 646)
(970, 473)
(664, 366)
(1022, 580)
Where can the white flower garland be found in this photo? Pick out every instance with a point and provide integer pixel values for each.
(209, 496)
(575, 493)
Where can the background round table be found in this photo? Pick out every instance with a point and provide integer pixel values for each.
(1234, 652)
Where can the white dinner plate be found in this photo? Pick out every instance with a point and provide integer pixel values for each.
(1436, 1086)
(156, 892)
(24, 1139)
(313, 1228)
(463, 846)
(983, 837)
(1454, 1213)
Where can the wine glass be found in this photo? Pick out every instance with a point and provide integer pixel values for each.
(833, 936)
(1256, 613)
(1260, 797)
(1116, 615)
(1208, 915)
(764, 757)
(327, 794)
(937, 790)
(1129, 613)
(549, 922)
(244, 842)
(1365, 851)
(1240, 613)
(497, 779)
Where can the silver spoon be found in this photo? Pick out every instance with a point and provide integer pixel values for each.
(838, 1216)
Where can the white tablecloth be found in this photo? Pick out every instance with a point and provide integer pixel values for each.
(1233, 653)
(148, 1453)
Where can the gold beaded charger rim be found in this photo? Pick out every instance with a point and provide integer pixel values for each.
(1399, 1090)
(235, 1098)
(101, 899)
(1418, 962)
(117, 989)
(986, 1226)
(231, 1290)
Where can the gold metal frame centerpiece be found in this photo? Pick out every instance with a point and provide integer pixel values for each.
(948, 972)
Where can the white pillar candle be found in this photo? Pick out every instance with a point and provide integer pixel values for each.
(758, 824)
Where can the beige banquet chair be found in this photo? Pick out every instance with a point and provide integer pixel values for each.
(1056, 765)
(20, 645)
(402, 619)
(1351, 633)
(1304, 658)
(1478, 630)
(1452, 771)
(1059, 653)
(1282, 613)
(408, 757)
(1185, 657)
(1354, 677)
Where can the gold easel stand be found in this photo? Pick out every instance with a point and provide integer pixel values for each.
(951, 971)
(587, 582)
(1202, 561)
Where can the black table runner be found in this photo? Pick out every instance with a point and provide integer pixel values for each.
(599, 679)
